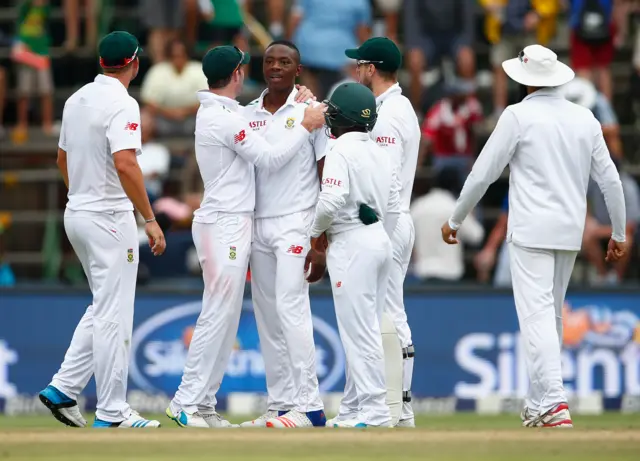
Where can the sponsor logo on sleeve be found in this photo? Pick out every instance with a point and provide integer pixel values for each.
(239, 137)
(130, 126)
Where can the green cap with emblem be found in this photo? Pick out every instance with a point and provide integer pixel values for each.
(222, 61)
(379, 51)
(351, 104)
(118, 49)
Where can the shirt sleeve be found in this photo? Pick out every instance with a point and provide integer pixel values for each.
(124, 130)
(320, 142)
(62, 141)
(604, 172)
(393, 207)
(256, 150)
(334, 193)
(491, 162)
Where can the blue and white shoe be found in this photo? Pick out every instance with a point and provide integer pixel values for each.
(200, 420)
(350, 423)
(63, 408)
(134, 421)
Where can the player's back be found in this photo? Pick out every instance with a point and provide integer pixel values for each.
(370, 173)
(98, 120)
(550, 171)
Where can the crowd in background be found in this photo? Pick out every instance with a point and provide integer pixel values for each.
(434, 34)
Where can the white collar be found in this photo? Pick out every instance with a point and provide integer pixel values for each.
(391, 91)
(207, 98)
(111, 81)
(550, 92)
(355, 136)
(291, 99)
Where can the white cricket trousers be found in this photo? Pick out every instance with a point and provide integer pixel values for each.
(223, 247)
(359, 264)
(540, 281)
(402, 242)
(107, 247)
(283, 312)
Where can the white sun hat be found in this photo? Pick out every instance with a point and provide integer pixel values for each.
(580, 91)
(539, 67)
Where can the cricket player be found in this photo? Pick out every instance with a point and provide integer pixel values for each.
(285, 203)
(227, 151)
(552, 146)
(398, 132)
(357, 172)
(99, 142)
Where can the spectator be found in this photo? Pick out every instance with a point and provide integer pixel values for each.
(275, 16)
(169, 92)
(72, 23)
(510, 25)
(350, 74)
(31, 55)
(154, 161)
(434, 29)
(584, 93)
(597, 224)
(3, 92)
(322, 30)
(434, 259)
(448, 131)
(164, 19)
(593, 36)
(485, 260)
(390, 9)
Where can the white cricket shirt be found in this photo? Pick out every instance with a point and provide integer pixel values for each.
(552, 146)
(227, 149)
(356, 171)
(98, 120)
(397, 130)
(295, 186)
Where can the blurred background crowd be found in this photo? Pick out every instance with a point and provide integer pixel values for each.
(452, 74)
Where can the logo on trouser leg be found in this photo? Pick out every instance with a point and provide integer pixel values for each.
(130, 255)
(232, 253)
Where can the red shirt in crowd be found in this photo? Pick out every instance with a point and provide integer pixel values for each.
(449, 129)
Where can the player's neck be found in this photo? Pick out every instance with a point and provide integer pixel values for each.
(381, 86)
(275, 99)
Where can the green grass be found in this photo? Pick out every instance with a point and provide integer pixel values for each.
(460, 437)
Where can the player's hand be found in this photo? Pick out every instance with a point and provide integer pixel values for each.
(485, 260)
(156, 238)
(304, 94)
(449, 235)
(314, 117)
(615, 250)
(317, 262)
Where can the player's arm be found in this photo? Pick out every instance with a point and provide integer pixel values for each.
(393, 207)
(123, 134)
(270, 157)
(604, 172)
(491, 162)
(62, 154)
(334, 193)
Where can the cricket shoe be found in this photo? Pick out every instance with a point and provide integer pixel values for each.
(409, 422)
(527, 417)
(558, 417)
(216, 421)
(184, 419)
(350, 423)
(262, 420)
(297, 419)
(331, 422)
(134, 421)
(63, 408)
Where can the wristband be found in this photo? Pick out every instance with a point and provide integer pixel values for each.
(150, 220)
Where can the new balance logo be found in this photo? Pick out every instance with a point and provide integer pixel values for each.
(239, 137)
(296, 250)
(130, 126)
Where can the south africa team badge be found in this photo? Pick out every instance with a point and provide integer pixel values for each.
(232, 253)
(290, 122)
(130, 255)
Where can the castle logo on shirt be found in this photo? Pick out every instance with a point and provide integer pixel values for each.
(130, 255)
(233, 253)
(289, 123)
(330, 182)
(257, 124)
(385, 140)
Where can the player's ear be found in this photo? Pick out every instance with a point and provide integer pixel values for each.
(298, 70)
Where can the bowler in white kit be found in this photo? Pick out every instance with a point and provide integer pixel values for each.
(99, 142)
(552, 146)
(227, 151)
(358, 174)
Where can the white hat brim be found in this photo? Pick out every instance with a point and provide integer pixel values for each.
(563, 74)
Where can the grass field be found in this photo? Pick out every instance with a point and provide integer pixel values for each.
(460, 437)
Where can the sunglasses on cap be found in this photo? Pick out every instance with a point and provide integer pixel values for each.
(127, 61)
(361, 62)
(241, 58)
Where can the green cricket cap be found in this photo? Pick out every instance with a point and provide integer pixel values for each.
(379, 51)
(118, 49)
(351, 104)
(222, 61)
